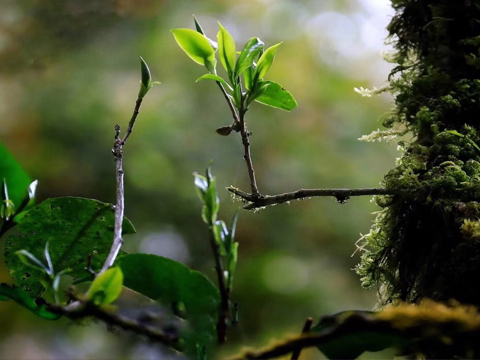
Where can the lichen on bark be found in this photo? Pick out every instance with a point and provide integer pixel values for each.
(425, 242)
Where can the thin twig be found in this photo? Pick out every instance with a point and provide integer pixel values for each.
(342, 195)
(247, 156)
(306, 328)
(120, 205)
(81, 309)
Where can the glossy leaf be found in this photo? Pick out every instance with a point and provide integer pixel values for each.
(146, 82)
(22, 298)
(226, 49)
(250, 53)
(106, 287)
(249, 75)
(16, 178)
(214, 78)
(196, 46)
(276, 96)
(170, 283)
(74, 229)
(265, 61)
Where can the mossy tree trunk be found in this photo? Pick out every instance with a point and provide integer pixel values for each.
(425, 243)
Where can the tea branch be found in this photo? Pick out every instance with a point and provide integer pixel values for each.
(341, 195)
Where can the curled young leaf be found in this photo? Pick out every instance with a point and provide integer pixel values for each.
(265, 61)
(215, 78)
(251, 51)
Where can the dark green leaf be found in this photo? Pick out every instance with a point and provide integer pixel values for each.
(170, 283)
(252, 50)
(276, 96)
(106, 287)
(265, 61)
(146, 82)
(226, 50)
(215, 78)
(196, 46)
(16, 178)
(74, 228)
(22, 298)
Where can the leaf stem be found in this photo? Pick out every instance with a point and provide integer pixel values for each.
(257, 201)
(247, 155)
(236, 120)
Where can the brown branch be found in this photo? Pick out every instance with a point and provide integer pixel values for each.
(81, 309)
(131, 123)
(247, 155)
(342, 195)
(306, 328)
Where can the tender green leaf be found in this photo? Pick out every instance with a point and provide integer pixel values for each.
(196, 46)
(215, 78)
(16, 178)
(170, 282)
(73, 227)
(201, 185)
(220, 231)
(276, 96)
(23, 299)
(232, 259)
(106, 287)
(199, 29)
(31, 261)
(265, 61)
(230, 234)
(251, 51)
(46, 254)
(226, 50)
(211, 200)
(248, 76)
(146, 82)
(7, 206)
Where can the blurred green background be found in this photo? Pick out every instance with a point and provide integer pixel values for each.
(69, 70)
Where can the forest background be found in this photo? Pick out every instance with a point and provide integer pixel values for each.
(69, 72)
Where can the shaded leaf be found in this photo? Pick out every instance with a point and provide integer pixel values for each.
(146, 82)
(22, 298)
(106, 287)
(276, 96)
(16, 178)
(170, 282)
(251, 51)
(226, 50)
(196, 46)
(31, 261)
(73, 227)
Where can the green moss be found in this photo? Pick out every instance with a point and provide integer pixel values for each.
(423, 243)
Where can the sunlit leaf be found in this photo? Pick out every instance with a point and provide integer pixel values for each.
(170, 283)
(199, 29)
(276, 96)
(75, 228)
(265, 61)
(215, 78)
(251, 51)
(226, 49)
(106, 287)
(196, 46)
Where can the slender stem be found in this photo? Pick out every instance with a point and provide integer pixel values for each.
(236, 120)
(224, 292)
(306, 328)
(342, 195)
(247, 156)
(131, 123)
(80, 309)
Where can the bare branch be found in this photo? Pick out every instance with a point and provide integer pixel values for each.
(342, 195)
(247, 156)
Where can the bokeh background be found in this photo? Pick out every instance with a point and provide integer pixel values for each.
(69, 70)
